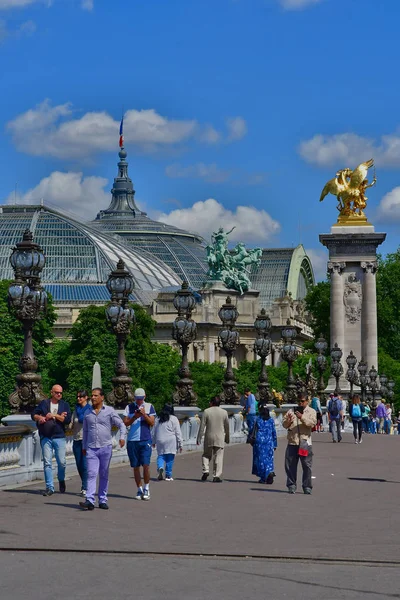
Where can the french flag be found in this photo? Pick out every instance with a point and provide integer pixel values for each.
(121, 133)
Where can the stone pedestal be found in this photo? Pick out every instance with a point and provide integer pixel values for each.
(352, 267)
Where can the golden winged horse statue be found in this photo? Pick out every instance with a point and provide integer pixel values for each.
(349, 188)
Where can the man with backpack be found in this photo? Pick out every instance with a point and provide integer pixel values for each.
(335, 415)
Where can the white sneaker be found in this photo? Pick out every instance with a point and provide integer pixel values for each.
(139, 495)
(168, 479)
(356, 441)
(360, 441)
(146, 495)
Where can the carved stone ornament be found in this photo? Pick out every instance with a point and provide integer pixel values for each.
(336, 267)
(352, 298)
(369, 267)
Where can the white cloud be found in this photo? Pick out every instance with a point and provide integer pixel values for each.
(350, 149)
(389, 206)
(297, 4)
(319, 259)
(209, 135)
(237, 128)
(7, 4)
(251, 225)
(26, 28)
(87, 4)
(70, 191)
(198, 171)
(48, 130)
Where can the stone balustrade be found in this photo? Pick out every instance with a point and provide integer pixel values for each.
(21, 456)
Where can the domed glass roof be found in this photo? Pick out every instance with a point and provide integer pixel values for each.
(183, 251)
(78, 258)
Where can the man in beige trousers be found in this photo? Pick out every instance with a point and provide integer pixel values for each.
(215, 427)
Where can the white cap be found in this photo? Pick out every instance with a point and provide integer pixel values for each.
(140, 393)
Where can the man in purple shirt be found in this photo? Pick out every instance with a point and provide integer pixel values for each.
(97, 447)
(381, 416)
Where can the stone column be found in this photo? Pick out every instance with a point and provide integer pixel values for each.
(200, 347)
(335, 269)
(249, 352)
(369, 333)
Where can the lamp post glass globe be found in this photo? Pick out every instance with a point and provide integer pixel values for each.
(120, 282)
(184, 300)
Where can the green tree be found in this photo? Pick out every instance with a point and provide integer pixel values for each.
(388, 304)
(317, 303)
(152, 366)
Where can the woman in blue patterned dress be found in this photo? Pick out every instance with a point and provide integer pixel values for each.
(264, 446)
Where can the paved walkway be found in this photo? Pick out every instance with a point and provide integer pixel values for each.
(353, 515)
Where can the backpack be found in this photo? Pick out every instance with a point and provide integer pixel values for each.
(334, 407)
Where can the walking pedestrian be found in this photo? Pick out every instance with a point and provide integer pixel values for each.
(264, 442)
(250, 409)
(388, 419)
(215, 427)
(140, 417)
(97, 447)
(356, 412)
(299, 423)
(381, 416)
(77, 430)
(52, 416)
(365, 418)
(316, 405)
(335, 416)
(167, 438)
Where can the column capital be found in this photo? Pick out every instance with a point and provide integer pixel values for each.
(199, 345)
(336, 267)
(369, 267)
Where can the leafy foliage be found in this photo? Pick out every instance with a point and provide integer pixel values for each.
(317, 303)
(388, 304)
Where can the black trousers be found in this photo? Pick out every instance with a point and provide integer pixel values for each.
(291, 463)
(357, 428)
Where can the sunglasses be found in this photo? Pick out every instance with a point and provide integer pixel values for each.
(58, 393)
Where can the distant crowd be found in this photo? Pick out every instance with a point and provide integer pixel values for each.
(143, 430)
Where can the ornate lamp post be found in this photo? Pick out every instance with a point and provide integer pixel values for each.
(321, 345)
(262, 346)
(336, 366)
(120, 318)
(229, 340)
(383, 380)
(390, 392)
(184, 332)
(289, 353)
(27, 300)
(363, 379)
(373, 384)
(351, 375)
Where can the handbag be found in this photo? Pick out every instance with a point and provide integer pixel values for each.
(251, 438)
(303, 446)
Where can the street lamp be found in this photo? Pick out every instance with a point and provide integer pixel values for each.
(184, 332)
(321, 345)
(336, 365)
(262, 347)
(229, 340)
(373, 384)
(383, 380)
(27, 300)
(351, 374)
(363, 379)
(289, 353)
(120, 318)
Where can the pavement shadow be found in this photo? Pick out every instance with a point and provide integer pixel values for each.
(270, 490)
(372, 479)
(37, 492)
(75, 506)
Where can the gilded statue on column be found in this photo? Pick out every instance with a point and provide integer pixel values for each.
(350, 187)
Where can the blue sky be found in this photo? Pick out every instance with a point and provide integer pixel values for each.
(235, 110)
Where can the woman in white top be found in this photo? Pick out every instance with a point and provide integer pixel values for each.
(167, 438)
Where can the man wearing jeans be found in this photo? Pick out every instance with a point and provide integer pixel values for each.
(51, 417)
(97, 447)
(77, 429)
(250, 408)
(335, 416)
